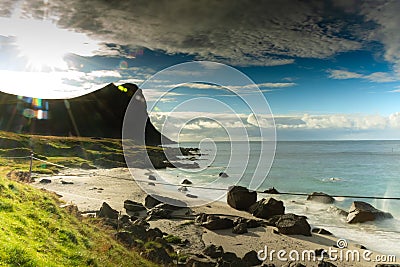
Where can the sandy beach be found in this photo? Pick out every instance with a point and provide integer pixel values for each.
(88, 189)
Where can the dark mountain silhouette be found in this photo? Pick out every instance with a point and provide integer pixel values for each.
(97, 114)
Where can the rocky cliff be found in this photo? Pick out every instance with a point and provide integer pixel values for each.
(97, 114)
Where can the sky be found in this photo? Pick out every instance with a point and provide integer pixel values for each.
(325, 70)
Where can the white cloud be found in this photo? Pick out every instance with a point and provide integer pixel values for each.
(104, 73)
(379, 77)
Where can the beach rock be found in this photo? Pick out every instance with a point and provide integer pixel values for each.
(153, 233)
(191, 196)
(151, 202)
(159, 212)
(321, 231)
(125, 238)
(137, 231)
(363, 212)
(266, 208)
(66, 182)
(199, 262)
(133, 206)
(271, 191)
(241, 198)
(217, 223)
(45, 181)
(272, 221)
(251, 259)
(321, 198)
(186, 181)
(202, 217)
(152, 177)
(107, 212)
(213, 251)
(230, 259)
(223, 175)
(325, 264)
(158, 255)
(240, 228)
(293, 264)
(140, 222)
(250, 223)
(292, 224)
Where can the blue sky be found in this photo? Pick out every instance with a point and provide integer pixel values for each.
(328, 69)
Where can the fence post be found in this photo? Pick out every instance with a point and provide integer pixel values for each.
(30, 168)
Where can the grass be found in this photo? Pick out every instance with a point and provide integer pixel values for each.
(35, 231)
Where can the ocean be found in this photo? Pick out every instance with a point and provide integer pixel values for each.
(342, 168)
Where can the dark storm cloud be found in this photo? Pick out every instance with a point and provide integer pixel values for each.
(235, 32)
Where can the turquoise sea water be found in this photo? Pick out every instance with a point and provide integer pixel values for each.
(355, 168)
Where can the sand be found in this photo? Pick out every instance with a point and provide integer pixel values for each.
(88, 189)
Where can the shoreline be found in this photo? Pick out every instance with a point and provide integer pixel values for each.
(88, 189)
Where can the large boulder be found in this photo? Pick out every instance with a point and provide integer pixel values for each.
(133, 206)
(363, 212)
(217, 223)
(321, 198)
(266, 208)
(251, 259)
(150, 202)
(107, 212)
(241, 198)
(292, 224)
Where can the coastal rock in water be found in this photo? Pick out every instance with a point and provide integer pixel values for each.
(251, 259)
(213, 251)
(66, 182)
(186, 181)
(241, 198)
(217, 223)
(133, 206)
(363, 212)
(292, 224)
(338, 211)
(321, 198)
(107, 212)
(223, 175)
(240, 228)
(152, 177)
(182, 189)
(266, 208)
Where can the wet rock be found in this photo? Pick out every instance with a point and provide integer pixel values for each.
(133, 206)
(363, 212)
(338, 211)
(213, 251)
(321, 198)
(292, 224)
(186, 181)
(107, 212)
(321, 231)
(223, 175)
(251, 259)
(241, 198)
(182, 189)
(191, 196)
(266, 208)
(152, 177)
(240, 228)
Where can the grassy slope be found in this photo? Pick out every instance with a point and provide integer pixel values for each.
(35, 231)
